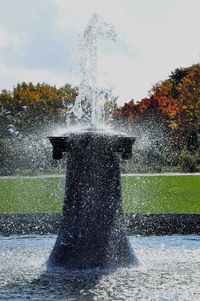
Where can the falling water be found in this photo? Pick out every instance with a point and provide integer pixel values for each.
(91, 99)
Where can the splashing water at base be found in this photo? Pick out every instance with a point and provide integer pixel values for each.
(89, 104)
(168, 271)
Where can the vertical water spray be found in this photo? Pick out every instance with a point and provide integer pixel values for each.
(92, 97)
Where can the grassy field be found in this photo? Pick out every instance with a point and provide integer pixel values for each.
(144, 194)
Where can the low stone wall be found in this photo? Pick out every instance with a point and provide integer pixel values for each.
(143, 224)
(29, 223)
(163, 224)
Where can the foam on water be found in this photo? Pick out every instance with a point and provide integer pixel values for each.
(169, 270)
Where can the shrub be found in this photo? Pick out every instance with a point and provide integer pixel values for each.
(189, 161)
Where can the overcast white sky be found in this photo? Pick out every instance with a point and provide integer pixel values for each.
(37, 39)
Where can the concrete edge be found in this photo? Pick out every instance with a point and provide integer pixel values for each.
(136, 224)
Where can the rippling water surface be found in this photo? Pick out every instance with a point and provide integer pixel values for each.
(169, 270)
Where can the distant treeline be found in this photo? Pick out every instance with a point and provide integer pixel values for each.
(167, 121)
(167, 124)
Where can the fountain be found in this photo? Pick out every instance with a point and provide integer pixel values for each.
(91, 233)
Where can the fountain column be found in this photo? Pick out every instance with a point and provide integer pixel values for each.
(92, 232)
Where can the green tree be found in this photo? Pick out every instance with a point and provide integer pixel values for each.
(33, 107)
(27, 115)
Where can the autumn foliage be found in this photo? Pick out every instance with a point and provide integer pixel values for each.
(159, 104)
(174, 106)
(177, 98)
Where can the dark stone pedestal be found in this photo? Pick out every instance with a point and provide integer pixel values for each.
(91, 233)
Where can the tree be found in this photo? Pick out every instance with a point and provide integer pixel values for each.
(175, 78)
(183, 85)
(159, 106)
(150, 119)
(27, 115)
(188, 117)
(33, 107)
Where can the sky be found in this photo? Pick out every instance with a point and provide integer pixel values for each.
(154, 37)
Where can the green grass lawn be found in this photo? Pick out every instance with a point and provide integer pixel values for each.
(162, 194)
(145, 194)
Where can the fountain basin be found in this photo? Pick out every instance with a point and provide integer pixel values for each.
(168, 270)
